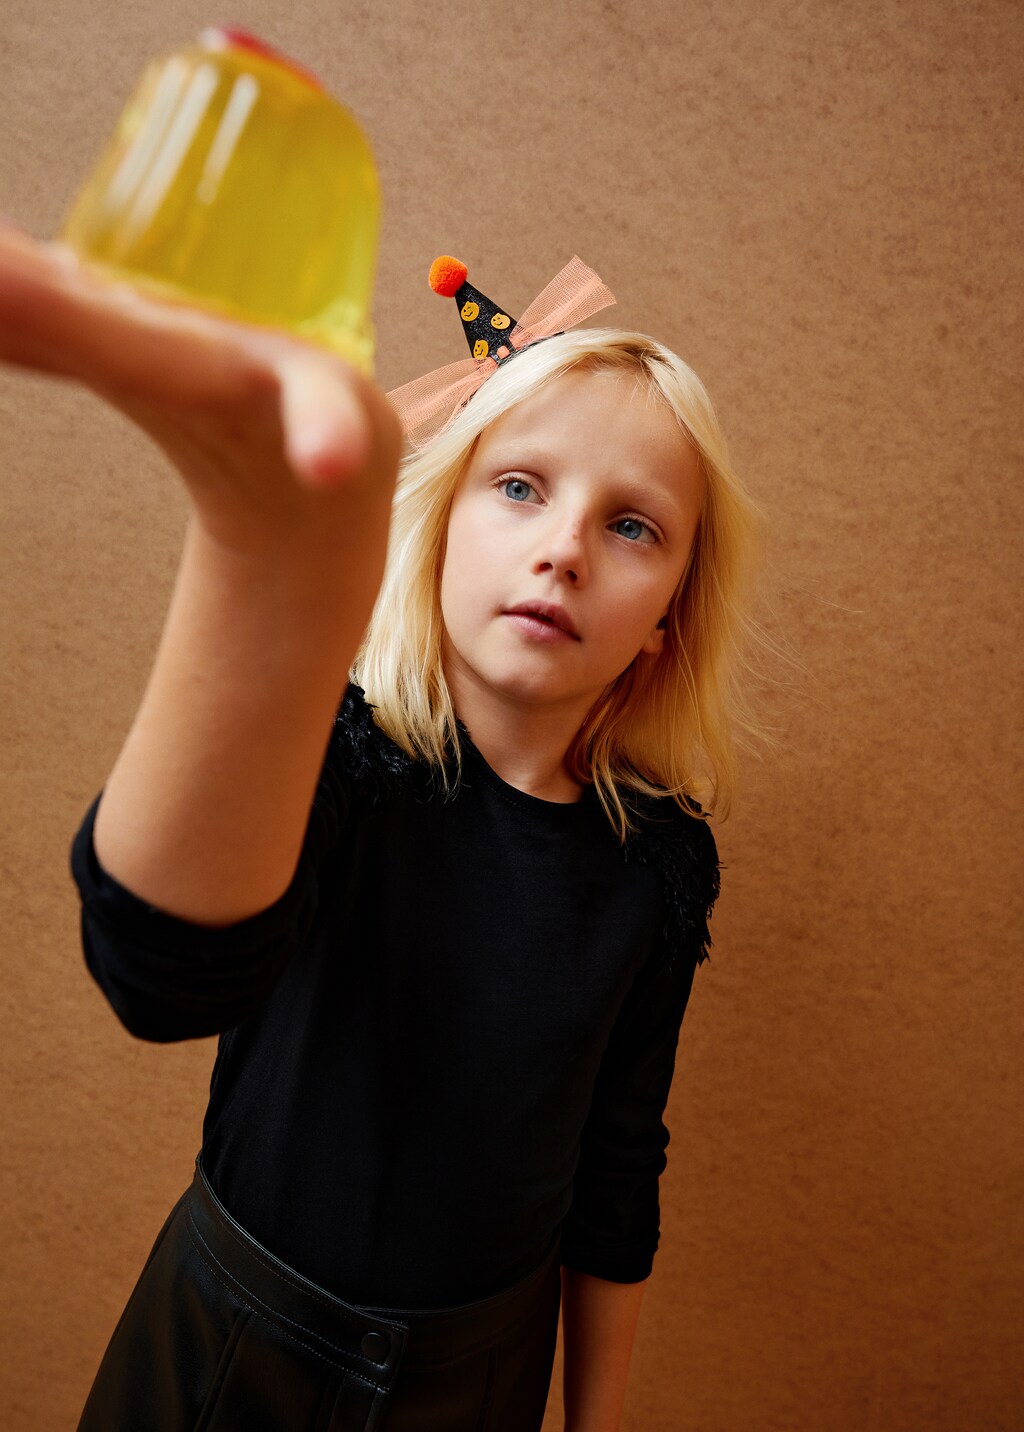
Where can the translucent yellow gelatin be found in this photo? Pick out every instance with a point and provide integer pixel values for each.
(234, 182)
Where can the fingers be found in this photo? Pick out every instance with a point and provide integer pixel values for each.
(169, 366)
(122, 341)
(64, 317)
(26, 273)
(327, 434)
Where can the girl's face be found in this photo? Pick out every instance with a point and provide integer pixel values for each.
(582, 505)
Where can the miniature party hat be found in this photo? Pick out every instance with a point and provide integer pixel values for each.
(427, 405)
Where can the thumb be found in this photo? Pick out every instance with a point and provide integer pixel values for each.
(327, 435)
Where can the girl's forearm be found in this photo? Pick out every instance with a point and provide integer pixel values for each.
(204, 812)
(599, 1321)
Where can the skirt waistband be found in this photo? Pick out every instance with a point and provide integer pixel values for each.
(379, 1339)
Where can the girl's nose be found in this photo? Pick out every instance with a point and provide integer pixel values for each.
(563, 551)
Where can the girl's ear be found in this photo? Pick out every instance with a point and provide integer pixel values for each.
(654, 643)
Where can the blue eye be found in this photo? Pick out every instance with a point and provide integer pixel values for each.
(635, 526)
(516, 489)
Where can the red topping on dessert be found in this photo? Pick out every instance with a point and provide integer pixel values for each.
(221, 37)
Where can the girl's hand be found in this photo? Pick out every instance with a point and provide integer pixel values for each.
(289, 456)
(275, 438)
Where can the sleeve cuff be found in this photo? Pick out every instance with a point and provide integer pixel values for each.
(167, 978)
(122, 912)
(625, 1265)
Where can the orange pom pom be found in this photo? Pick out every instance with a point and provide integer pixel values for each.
(447, 276)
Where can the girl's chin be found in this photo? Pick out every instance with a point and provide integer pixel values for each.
(535, 675)
(530, 690)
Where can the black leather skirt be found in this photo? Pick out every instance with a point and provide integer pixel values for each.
(220, 1336)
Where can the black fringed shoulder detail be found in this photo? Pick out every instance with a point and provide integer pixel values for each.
(678, 846)
(376, 766)
(682, 849)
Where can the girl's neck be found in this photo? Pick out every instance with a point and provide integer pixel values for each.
(524, 747)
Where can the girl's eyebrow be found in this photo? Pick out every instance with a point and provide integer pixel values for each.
(517, 457)
(657, 499)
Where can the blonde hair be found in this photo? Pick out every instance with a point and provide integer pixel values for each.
(668, 724)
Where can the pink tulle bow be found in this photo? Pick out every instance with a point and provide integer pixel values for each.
(427, 405)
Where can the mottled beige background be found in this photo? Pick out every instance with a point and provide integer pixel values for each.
(819, 205)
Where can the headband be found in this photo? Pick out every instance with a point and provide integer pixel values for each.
(427, 405)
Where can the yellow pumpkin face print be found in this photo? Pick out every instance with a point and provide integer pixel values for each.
(469, 310)
(500, 320)
(480, 348)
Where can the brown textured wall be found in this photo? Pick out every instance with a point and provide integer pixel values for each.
(819, 206)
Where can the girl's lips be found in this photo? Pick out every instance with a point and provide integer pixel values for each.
(537, 628)
(546, 612)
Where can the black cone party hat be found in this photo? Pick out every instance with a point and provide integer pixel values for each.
(485, 325)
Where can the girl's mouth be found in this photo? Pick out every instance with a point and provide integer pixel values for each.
(539, 628)
(548, 614)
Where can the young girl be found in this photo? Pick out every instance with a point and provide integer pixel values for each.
(446, 931)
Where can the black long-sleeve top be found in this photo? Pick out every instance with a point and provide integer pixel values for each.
(452, 1036)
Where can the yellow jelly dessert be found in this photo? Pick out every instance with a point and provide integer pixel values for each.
(234, 182)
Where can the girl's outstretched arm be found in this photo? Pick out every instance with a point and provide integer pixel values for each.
(289, 458)
(599, 1321)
